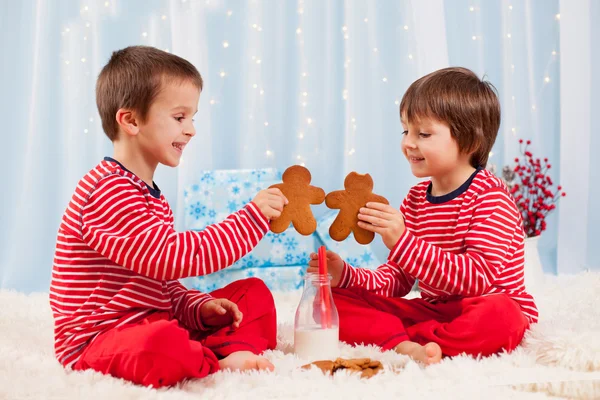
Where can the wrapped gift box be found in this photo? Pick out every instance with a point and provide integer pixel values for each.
(280, 260)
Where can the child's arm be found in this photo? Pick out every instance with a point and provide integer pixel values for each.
(118, 223)
(387, 280)
(186, 305)
(493, 232)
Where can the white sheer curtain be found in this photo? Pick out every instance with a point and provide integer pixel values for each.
(308, 82)
(579, 216)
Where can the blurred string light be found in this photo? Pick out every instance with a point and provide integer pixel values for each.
(82, 29)
(511, 123)
(307, 123)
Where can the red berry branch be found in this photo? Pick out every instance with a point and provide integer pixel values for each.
(532, 189)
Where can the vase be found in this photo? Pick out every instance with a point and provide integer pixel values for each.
(534, 272)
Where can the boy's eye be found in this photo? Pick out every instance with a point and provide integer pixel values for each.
(405, 132)
(179, 119)
(424, 135)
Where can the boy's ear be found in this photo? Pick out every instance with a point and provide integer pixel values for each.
(128, 121)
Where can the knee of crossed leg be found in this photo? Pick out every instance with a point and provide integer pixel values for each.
(164, 337)
(507, 323)
(162, 353)
(262, 310)
(259, 291)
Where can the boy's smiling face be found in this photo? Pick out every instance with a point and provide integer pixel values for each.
(430, 149)
(169, 125)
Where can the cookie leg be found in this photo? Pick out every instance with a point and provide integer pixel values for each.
(305, 227)
(339, 230)
(280, 224)
(363, 236)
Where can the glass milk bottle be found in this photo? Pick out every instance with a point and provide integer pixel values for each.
(316, 327)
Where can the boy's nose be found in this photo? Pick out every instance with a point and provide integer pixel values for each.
(408, 143)
(190, 130)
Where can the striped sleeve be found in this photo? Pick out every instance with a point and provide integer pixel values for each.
(387, 280)
(494, 223)
(186, 305)
(117, 222)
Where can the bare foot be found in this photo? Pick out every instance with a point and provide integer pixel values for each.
(429, 354)
(245, 360)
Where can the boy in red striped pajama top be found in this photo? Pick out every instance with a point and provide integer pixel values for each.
(117, 303)
(459, 233)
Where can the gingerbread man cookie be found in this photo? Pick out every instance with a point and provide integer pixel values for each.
(300, 194)
(357, 194)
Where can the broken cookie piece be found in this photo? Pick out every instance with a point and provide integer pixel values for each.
(365, 366)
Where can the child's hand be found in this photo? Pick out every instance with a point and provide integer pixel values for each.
(270, 202)
(384, 220)
(335, 266)
(220, 312)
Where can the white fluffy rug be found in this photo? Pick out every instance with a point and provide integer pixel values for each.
(560, 357)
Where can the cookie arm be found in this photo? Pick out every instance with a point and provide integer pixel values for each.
(317, 193)
(335, 199)
(375, 198)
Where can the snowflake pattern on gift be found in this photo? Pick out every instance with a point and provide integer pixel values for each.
(211, 217)
(300, 281)
(367, 257)
(232, 206)
(235, 191)
(289, 258)
(352, 261)
(276, 238)
(258, 174)
(212, 286)
(197, 210)
(302, 258)
(291, 244)
(267, 263)
(249, 262)
(208, 177)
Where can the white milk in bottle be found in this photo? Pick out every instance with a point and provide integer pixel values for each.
(316, 327)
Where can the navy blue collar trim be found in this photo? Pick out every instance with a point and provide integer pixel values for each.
(154, 191)
(453, 194)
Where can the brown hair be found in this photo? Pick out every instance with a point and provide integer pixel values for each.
(457, 97)
(132, 79)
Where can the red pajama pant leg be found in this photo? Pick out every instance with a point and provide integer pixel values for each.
(155, 352)
(367, 319)
(475, 325)
(159, 352)
(258, 329)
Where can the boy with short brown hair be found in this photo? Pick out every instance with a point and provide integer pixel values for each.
(459, 233)
(117, 303)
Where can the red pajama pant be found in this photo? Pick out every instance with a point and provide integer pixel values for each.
(473, 325)
(160, 352)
